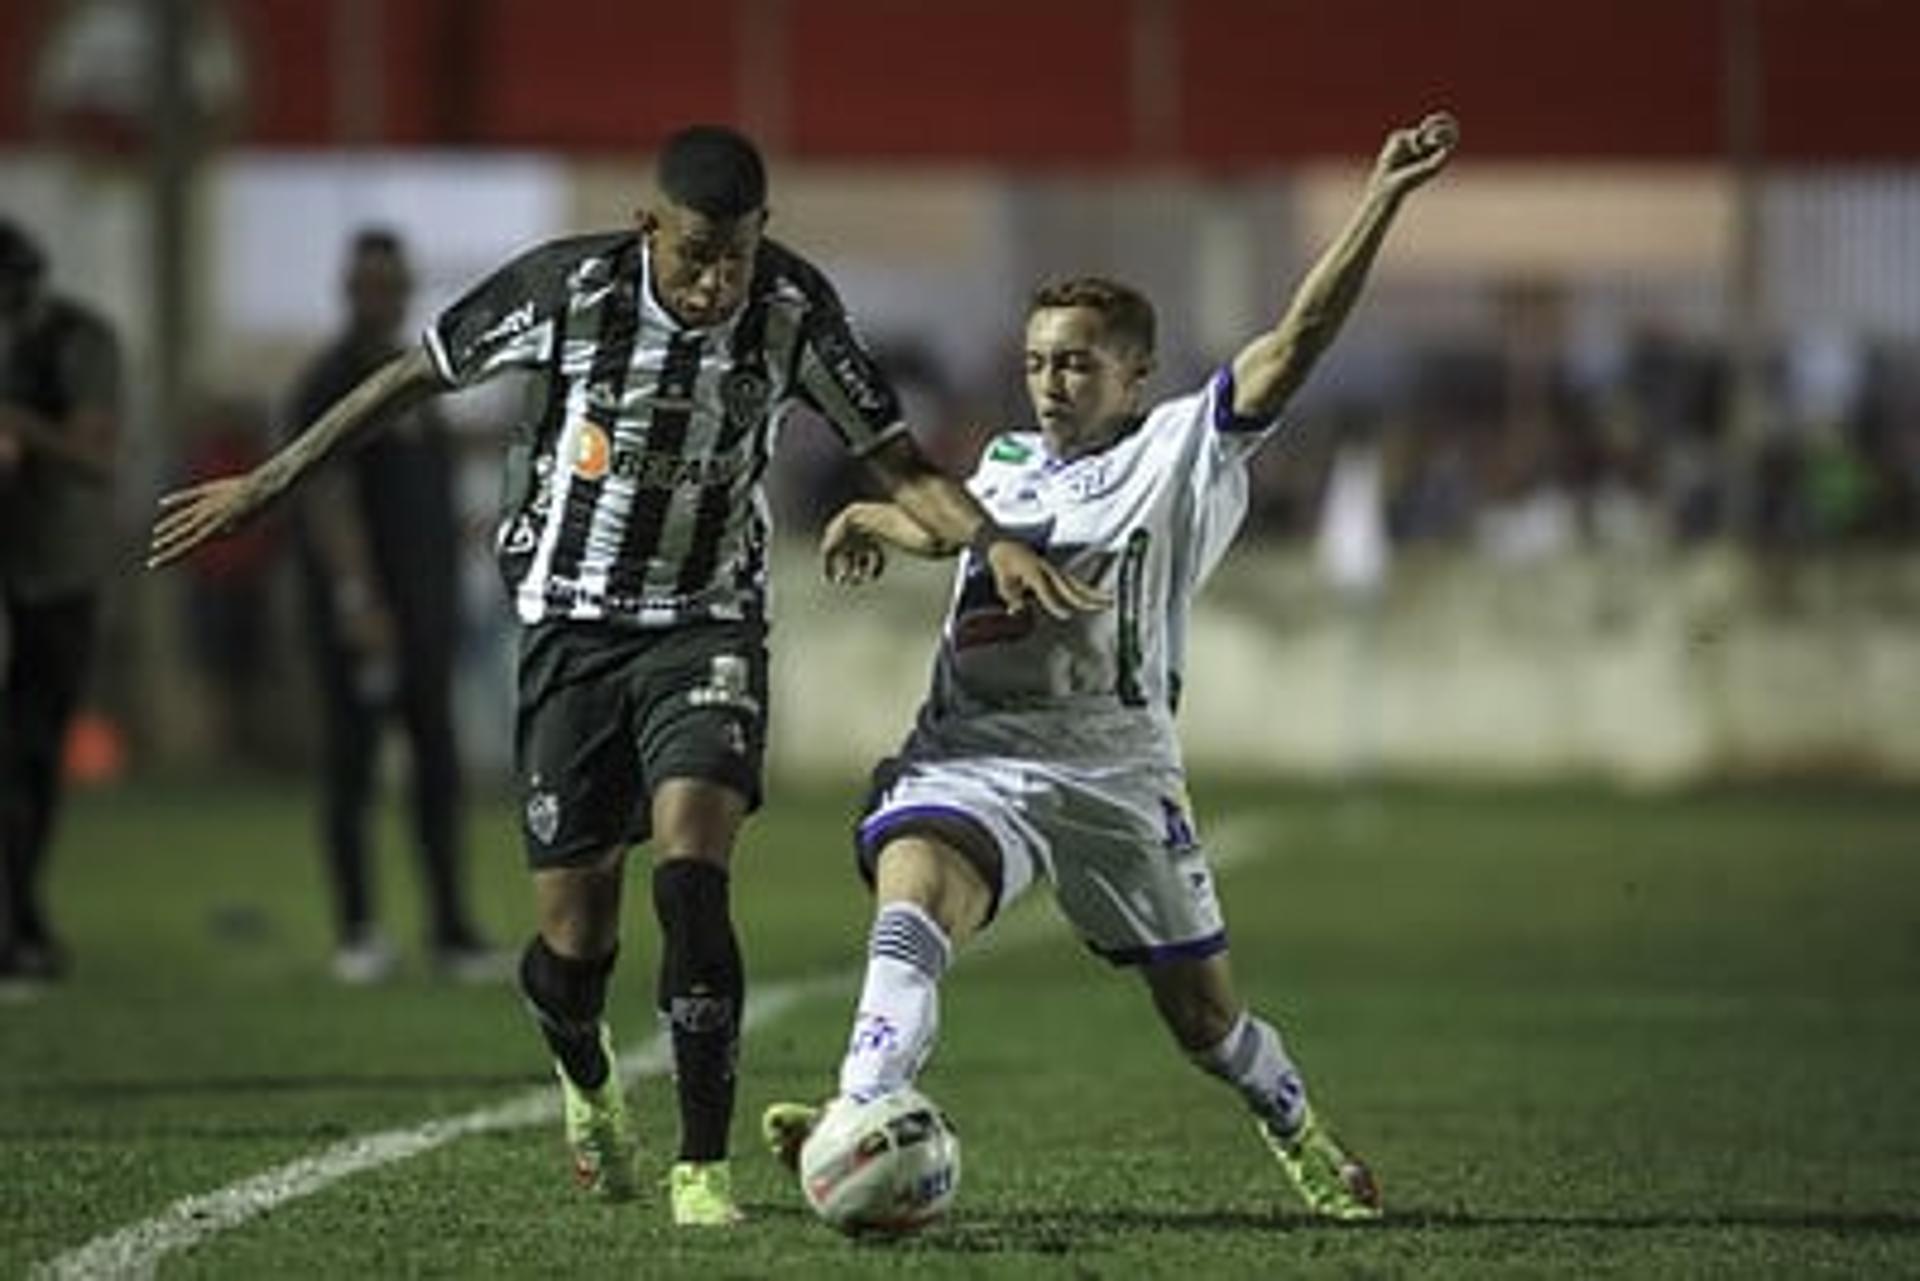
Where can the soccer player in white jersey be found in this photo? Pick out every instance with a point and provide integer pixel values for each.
(1046, 748)
(632, 538)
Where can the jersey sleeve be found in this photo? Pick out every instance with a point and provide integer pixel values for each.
(507, 321)
(1235, 436)
(836, 376)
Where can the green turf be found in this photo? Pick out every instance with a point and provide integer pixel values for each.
(1576, 1034)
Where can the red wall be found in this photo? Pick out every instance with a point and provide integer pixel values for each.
(1049, 82)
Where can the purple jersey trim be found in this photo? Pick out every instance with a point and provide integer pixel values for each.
(1224, 419)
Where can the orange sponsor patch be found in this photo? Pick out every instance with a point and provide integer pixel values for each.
(592, 451)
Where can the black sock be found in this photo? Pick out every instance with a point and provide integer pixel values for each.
(567, 997)
(701, 987)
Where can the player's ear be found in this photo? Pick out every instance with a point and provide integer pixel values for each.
(1143, 366)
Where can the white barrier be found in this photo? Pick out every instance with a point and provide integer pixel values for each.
(1642, 669)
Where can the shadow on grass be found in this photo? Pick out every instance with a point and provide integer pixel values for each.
(1062, 1232)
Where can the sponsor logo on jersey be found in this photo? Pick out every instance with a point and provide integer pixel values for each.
(744, 395)
(508, 326)
(651, 470)
(854, 376)
(592, 451)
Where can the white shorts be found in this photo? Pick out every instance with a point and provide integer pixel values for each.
(1117, 843)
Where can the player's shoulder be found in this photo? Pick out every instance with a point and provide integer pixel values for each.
(783, 272)
(1184, 407)
(575, 263)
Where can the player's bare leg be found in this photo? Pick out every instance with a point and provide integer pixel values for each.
(1197, 1001)
(929, 898)
(702, 984)
(563, 974)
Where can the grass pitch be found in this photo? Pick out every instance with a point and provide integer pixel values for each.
(1576, 1034)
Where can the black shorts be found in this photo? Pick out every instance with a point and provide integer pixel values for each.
(608, 713)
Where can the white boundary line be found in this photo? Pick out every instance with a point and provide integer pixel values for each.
(134, 1252)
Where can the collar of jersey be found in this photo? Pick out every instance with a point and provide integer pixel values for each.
(1049, 463)
(654, 312)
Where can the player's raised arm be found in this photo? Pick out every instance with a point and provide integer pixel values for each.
(1271, 368)
(194, 515)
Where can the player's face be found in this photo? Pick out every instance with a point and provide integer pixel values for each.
(1083, 385)
(701, 266)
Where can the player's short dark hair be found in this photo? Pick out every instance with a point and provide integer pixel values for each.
(713, 170)
(1125, 310)
(377, 240)
(21, 257)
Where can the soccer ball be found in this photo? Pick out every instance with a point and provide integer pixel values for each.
(888, 1165)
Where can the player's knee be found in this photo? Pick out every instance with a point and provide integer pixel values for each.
(936, 878)
(695, 819)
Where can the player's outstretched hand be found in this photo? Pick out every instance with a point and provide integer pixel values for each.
(1409, 157)
(199, 514)
(850, 553)
(1023, 577)
(854, 548)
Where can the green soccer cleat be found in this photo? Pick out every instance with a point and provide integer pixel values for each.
(1330, 1179)
(598, 1133)
(702, 1195)
(785, 1127)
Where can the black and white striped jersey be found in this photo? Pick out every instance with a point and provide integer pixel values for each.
(633, 490)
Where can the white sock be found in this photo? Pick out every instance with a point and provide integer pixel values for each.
(899, 1011)
(1253, 1061)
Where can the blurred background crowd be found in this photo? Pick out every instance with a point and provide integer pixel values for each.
(1662, 314)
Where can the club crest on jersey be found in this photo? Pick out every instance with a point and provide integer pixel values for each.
(592, 451)
(1006, 450)
(1090, 479)
(744, 394)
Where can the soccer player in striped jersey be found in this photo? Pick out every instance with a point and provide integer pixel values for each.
(1046, 748)
(633, 540)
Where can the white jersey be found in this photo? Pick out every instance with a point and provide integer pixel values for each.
(1148, 518)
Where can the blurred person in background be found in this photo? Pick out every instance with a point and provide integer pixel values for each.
(229, 608)
(377, 540)
(59, 429)
(633, 540)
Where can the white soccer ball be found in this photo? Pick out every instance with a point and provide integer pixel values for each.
(889, 1165)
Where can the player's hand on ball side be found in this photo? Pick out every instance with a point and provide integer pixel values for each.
(198, 514)
(1410, 157)
(1023, 577)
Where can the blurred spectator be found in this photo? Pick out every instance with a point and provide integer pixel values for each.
(378, 552)
(59, 424)
(230, 585)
